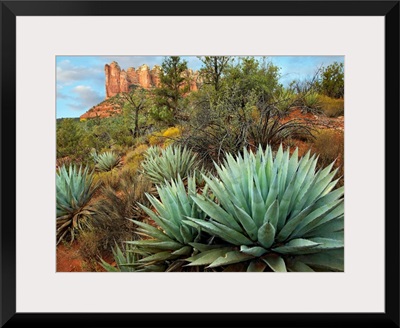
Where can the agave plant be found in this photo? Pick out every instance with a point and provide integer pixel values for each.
(124, 259)
(75, 188)
(311, 102)
(162, 165)
(167, 249)
(277, 214)
(106, 161)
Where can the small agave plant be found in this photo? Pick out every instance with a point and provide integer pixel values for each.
(162, 165)
(124, 260)
(75, 188)
(276, 214)
(106, 161)
(167, 249)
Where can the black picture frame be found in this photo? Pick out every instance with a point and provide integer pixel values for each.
(11, 9)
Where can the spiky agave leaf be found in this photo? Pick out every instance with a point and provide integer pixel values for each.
(74, 189)
(107, 161)
(162, 165)
(277, 210)
(169, 244)
(125, 260)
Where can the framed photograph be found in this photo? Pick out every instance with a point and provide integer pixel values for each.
(265, 235)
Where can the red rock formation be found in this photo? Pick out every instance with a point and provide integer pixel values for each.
(123, 82)
(144, 77)
(132, 75)
(105, 109)
(118, 81)
(113, 73)
(155, 75)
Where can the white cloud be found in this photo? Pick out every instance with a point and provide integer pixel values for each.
(82, 97)
(68, 73)
(87, 95)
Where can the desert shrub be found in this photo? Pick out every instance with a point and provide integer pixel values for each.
(109, 178)
(112, 211)
(171, 134)
(230, 121)
(332, 107)
(263, 212)
(332, 80)
(329, 144)
(165, 137)
(156, 138)
(75, 189)
(170, 163)
(129, 169)
(119, 150)
(137, 154)
(70, 136)
(63, 161)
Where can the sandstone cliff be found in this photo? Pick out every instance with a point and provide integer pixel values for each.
(118, 80)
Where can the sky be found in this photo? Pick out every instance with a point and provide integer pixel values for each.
(81, 81)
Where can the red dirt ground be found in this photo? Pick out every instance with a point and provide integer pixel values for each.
(70, 260)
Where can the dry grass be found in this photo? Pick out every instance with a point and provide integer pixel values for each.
(332, 107)
(137, 154)
(329, 144)
(116, 205)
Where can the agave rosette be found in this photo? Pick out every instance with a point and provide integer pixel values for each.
(278, 214)
(106, 161)
(166, 248)
(160, 165)
(124, 259)
(74, 189)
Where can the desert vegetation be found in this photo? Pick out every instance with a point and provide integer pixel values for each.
(242, 174)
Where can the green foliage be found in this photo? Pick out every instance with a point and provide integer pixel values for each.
(106, 161)
(173, 85)
(213, 70)
(136, 102)
(284, 100)
(75, 188)
(69, 139)
(162, 165)
(251, 76)
(332, 80)
(222, 121)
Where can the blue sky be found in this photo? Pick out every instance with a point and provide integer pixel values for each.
(81, 80)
